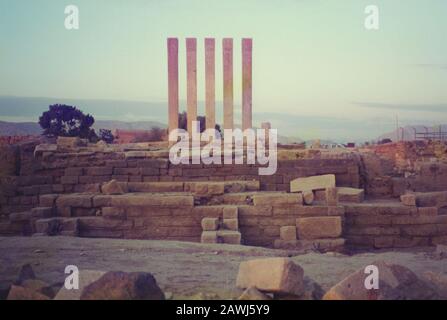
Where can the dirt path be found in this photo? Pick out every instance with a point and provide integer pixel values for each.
(184, 269)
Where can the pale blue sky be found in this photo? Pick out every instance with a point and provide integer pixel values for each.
(311, 57)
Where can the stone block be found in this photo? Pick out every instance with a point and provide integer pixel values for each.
(75, 200)
(42, 212)
(112, 188)
(47, 200)
(69, 179)
(230, 213)
(129, 200)
(288, 233)
(274, 199)
(273, 275)
(209, 237)
(319, 227)
(210, 224)
(408, 199)
(350, 195)
(428, 211)
(313, 183)
(68, 142)
(113, 213)
(231, 224)
(332, 196)
(229, 237)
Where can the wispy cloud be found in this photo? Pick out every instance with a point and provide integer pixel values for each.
(404, 107)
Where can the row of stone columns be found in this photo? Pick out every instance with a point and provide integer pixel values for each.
(210, 81)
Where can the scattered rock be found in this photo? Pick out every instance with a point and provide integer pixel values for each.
(86, 277)
(21, 293)
(39, 286)
(273, 275)
(395, 283)
(123, 286)
(112, 188)
(252, 293)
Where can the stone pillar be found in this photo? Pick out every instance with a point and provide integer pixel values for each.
(173, 102)
(228, 98)
(247, 83)
(210, 83)
(191, 80)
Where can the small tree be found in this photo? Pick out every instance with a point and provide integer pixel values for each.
(67, 121)
(106, 136)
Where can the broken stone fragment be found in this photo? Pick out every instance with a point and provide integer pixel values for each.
(21, 293)
(312, 183)
(230, 237)
(112, 188)
(308, 197)
(123, 286)
(396, 282)
(272, 275)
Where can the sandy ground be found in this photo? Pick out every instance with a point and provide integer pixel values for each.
(186, 270)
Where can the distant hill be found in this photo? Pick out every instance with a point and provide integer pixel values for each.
(19, 129)
(32, 128)
(407, 133)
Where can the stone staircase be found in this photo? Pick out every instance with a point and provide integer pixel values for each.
(232, 212)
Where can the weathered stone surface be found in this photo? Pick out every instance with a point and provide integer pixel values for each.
(113, 213)
(155, 186)
(319, 227)
(288, 233)
(20, 216)
(229, 237)
(272, 199)
(41, 212)
(230, 213)
(428, 211)
(209, 237)
(112, 188)
(123, 286)
(395, 283)
(47, 200)
(438, 281)
(308, 197)
(408, 199)
(253, 294)
(68, 142)
(320, 245)
(161, 200)
(21, 293)
(274, 275)
(26, 272)
(74, 200)
(313, 183)
(231, 224)
(210, 224)
(350, 195)
(38, 286)
(332, 196)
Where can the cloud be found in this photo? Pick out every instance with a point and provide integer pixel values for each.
(404, 107)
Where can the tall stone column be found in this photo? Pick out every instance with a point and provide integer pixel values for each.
(173, 100)
(228, 98)
(191, 80)
(210, 80)
(247, 54)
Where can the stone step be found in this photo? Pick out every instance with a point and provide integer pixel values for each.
(57, 227)
(199, 188)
